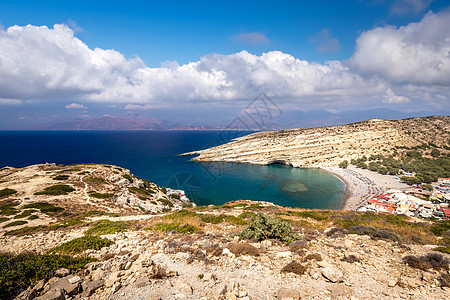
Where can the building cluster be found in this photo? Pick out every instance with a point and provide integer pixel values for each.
(435, 205)
(178, 196)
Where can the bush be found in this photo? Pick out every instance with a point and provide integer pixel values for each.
(17, 272)
(176, 227)
(243, 249)
(25, 213)
(44, 207)
(56, 190)
(444, 279)
(431, 260)
(350, 259)
(294, 267)
(81, 244)
(212, 219)
(315, 256)
(9, 209)
(100, 195)
(165, 202)
(7, 192)
(107, 227)
(264, 227)
(375, 232)
(128, 177)
(313, 214)
(15, 223)
(438, 228)
(61, 177)
(343, 164)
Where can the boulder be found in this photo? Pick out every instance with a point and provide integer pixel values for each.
(141, 282)
(332, 274)
(62, 272)
(53, 294)
(64, 284)
(90, 287)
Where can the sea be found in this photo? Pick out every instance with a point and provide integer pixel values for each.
(154, 155)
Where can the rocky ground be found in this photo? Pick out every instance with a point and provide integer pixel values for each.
(328, 146)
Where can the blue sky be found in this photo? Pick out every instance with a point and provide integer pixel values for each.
(184, 55)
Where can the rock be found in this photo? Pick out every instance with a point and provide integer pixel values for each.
(116, 287)
(141, 282)
(90, 287)
(54, 294)
(220, 291)
(182, 255)
(341, 292)
(28, 294)
(323, 264)
(98, 274)
(107, 266)
(265, 259)
(74, 279)
(284, 254)
(64, 284)
(266, 244)
(315, 273)
(332, 274)
(62, 272)
(392, 282)
(39, 286)
(288, 294)
(226, 251)
(209, 276)
(186, 288)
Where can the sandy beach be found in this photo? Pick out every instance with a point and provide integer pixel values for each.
(361, 184)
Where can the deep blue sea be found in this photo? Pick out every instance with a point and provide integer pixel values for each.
(153, 155)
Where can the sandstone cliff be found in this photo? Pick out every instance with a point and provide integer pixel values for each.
(328, 146)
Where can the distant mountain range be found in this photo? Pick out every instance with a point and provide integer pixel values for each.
(287, 120)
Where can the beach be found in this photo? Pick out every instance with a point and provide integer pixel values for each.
(361, 184)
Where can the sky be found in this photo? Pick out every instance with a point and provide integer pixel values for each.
(205, 61)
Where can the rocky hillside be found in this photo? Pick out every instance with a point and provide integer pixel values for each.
(50, 194)
(328, 146)
(220, 253)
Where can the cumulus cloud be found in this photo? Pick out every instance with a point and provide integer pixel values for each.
(51, 64)
(251, 38)
(417, 53)
(75, 106)
(404, 7)
(390, 97)
(326, 43)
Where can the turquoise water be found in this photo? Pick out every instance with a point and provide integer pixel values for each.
(153, 155)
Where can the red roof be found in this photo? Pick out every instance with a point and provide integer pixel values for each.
(446, 211)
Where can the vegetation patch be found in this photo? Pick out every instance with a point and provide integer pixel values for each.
(439, 227)
(100, 195)
(66, 223)
(375, 232)
(33, 217)
(95, 179)
(313, 214)
(44, 207)
(264, 227)
(3, 219)
(186, 228)
(56, 190)
(128, 177)
(430, 261)
(25, 230)
(8, 208)
(107, 227)
(82, 244)
(294, 267)
(68, 170)
(17, 272)
(25, 213)
(7, 192)
(243, 249)
(61, 177)
(15, 223)
(165, 202)
(83, 172)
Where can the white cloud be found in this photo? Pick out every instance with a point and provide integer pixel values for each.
(390, 97)
(326, 43)
(404, 7)
(51, 64)
(417, 53)
(251, 38)
(75, 106)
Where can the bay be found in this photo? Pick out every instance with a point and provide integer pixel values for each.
(154, 155)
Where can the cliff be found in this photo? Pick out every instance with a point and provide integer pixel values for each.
(328, 146)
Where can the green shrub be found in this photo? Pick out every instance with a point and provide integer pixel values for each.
(440, 227)
(81, 244)
(165, 202)
(343, 164)
(66, 223)
(313, 214)
(17, 272)
(15, 223)
(25, 213)
(128, 177)
(33, 217)
(61, 177)
(100, 195)
(83, 172)
(264, 227)
(212, 219)
(3, 219)
(44, 207)
(24, 230)
(7, 192)
(56, 190)
(176, 227)
(443, 249)
(107, 227)
(95, 179)
(9, 209)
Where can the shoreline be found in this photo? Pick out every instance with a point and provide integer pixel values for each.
(347, 190)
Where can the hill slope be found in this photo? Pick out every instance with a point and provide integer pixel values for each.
(328, 146)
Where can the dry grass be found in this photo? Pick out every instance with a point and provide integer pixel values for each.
(243, 249)
(294, 267)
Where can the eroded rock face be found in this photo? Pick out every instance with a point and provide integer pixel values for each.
(328, 146)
